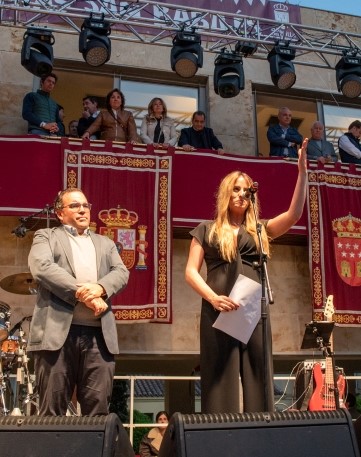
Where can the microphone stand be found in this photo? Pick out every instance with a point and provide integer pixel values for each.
(20, 230)
(261, 266)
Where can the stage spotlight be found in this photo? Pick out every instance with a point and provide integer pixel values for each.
(228, 75)
(282, 70)
(94, 43)
(245, 48)
(37, 51)
(348, 75)
(187, 54)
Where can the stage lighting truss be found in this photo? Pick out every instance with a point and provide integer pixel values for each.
(228, 75)
(348, 74)
(282, 69)
(37, 51)
(187, 54)
(94, 43)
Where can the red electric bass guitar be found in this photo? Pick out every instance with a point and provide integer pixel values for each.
(323, 397)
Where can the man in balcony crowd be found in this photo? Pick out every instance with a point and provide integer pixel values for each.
(89, 114)
(199, 136)
(318, 148)
(73, 334)
(284, 138)
(349, 144)
(40, 110)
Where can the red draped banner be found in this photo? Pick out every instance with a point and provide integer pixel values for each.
(137, 193)
(130, 195)
(334, 209)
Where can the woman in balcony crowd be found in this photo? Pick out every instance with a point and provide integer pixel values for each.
(229, 245)
(157, 128)
(152, 440)
(114, 123)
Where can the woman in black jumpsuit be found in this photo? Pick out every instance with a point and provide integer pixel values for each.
(229, 245)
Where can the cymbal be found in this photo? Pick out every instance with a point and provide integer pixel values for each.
(21, 283)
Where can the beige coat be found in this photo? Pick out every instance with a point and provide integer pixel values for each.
(150, 443)
(167, 128)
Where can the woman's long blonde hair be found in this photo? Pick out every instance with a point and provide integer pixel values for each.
(221, 232)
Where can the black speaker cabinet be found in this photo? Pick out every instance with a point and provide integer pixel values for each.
(35, 436)
(279, 434)
(357, 427)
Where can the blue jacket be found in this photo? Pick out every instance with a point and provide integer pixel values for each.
(279, 142)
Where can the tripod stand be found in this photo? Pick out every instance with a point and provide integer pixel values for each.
(22, 375)
(4, 385)
(21, 397)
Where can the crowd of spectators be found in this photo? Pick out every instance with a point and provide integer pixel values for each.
(115, 123)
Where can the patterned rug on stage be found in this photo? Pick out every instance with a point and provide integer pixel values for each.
(334, 208)
(131, 204)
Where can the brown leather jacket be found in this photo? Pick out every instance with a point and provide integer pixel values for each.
(122, 128)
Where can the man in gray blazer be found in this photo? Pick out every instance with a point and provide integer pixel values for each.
(318, 148)
(73, 333)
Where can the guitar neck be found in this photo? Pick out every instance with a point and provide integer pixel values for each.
(329, 377)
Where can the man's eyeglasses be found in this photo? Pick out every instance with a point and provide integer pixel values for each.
(76, 206)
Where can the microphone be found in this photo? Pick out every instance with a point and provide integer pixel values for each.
(249, 191)
(20, 231)
(48, 208)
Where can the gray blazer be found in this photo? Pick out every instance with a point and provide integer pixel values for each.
(51, 264)
(314, 151)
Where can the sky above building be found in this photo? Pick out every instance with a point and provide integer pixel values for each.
(345, 6)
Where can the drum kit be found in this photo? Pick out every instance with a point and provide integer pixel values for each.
(17, 397)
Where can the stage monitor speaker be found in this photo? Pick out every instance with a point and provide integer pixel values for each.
(281, 434)
(37, 436)
(357, 427)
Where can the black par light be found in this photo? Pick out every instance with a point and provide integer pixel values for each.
(37, 51)
(282, 69)
(348, 76)
(228, 77)
(94, 42)
(187, 54)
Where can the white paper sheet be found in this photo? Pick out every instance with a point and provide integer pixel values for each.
(241, 322)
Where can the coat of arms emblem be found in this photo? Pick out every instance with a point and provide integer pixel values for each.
(120, 227)
(347, 247)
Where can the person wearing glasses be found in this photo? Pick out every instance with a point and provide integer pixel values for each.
(73, 335)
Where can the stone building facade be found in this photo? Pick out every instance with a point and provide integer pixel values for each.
(173, 348)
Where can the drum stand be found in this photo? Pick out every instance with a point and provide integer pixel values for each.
(22, 376)
(3, 382)
(4, 379)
